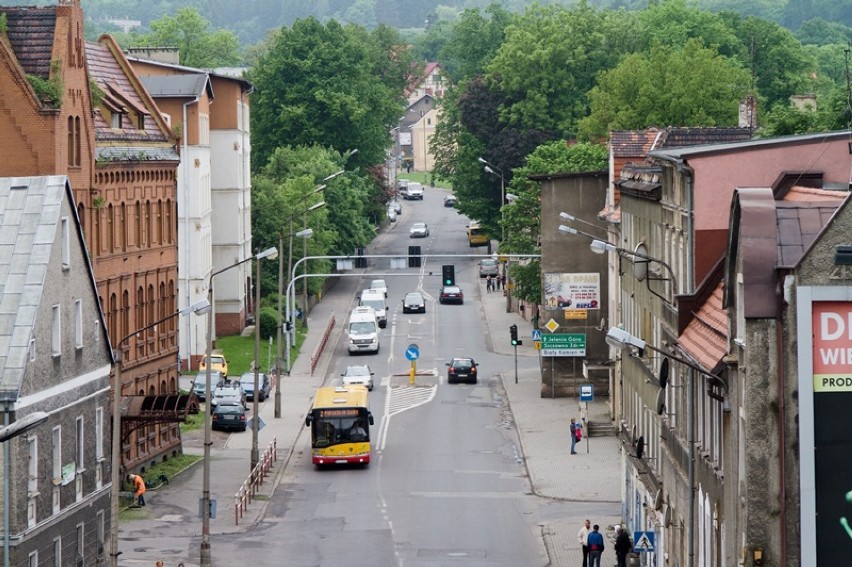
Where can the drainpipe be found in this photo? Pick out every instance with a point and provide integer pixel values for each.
(690, 440)
(184, 166)
(780, 290)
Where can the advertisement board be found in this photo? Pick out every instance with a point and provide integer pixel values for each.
(572, 291)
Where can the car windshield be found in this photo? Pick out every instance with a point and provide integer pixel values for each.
(452, 289)
(248, 380)
(362, 328)
(489, 263)
(418, 226)
(376, 304)
(227, 409)
(357, 371)
(414, 298)
(378, 284)
(462, 363)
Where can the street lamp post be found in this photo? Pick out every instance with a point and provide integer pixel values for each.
(271, 253)
(198, 308)
(9, 431)
(206, 560)
(494, 170)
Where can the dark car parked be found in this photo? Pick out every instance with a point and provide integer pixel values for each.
(451, 294)
(229, 417)
(459, 369)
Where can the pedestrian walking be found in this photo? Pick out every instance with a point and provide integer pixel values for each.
(138, 487)
(497, 282)
(576, 430)
(489, 283)
(582, 539)
(503, 281)
(622, 546)
(595, 541)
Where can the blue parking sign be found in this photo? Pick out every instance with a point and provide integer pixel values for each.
(586, 393)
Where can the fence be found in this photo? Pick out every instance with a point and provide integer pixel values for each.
(317, 354)
(249, 489)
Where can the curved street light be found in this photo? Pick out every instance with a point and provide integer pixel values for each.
(199, 308)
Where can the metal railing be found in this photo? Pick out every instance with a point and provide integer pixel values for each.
(317, 354)
(252, 484)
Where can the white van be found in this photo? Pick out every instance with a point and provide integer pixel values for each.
(415, 191)
(375, 298)
(363, 330)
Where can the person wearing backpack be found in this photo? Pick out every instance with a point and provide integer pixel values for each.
(576, 430)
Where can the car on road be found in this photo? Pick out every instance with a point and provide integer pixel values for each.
(451, 294)
(358, 374)
(199, 384)
(451, 201)
(380, 285)
(418, 230)
(395, 205)
(488, 267)
(391, 215)
(228, 417)
(413, 303)
(264, 385)
(414, 191)
(459, 369)
(231, 394)
(217, 363)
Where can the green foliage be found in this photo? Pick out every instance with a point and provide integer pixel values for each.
(471, 42)
(268, 323)
(188, 30)
(239, 352)
(692, 86)
(97, 93)
(4, 25)
(327, 85)
(49, 91)
(817, 31)
(831, 113)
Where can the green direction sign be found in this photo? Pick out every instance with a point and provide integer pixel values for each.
(570, 344)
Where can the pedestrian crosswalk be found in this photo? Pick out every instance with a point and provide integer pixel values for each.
(401, 398)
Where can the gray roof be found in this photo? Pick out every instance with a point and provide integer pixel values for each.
(177, 85)
(129, 153)
(30, 208)
(677, 154)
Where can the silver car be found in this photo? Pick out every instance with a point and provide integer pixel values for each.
(488, 267)
(418, 230)
(233, 395)
(358, 374)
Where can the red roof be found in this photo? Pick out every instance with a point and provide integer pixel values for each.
(705, 338)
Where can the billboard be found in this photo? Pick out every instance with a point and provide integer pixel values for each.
(832, 397)
(572, 291)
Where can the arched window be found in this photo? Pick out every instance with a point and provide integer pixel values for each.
(139, 230)
(160, 235)
(168, 221)
(140, 308)
(112, 319)
(122, 227)
(110, 229)
(149, 222)
(152, 314)
(125, 313)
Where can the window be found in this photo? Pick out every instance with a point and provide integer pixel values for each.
(66, 243)
(99, 433)
(81, 550)
(101, 533)
(115, 120)
(57, 454)
(78, 323)
(81, 446)
(56, 333)
(57, 552)
(97, 331)
(32, 350)
(33, 559)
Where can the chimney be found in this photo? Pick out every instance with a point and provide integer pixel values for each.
(748, 112)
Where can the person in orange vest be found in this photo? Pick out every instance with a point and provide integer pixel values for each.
(138, 486)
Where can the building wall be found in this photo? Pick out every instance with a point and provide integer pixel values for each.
(582, 195)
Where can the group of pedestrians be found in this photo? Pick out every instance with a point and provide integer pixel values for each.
(494, 283)
(592, 542)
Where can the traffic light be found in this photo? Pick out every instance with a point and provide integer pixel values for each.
(513, 333)
(449, 272)
(414, 257)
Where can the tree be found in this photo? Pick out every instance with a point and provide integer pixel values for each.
(190, 32)
(817, 31)
(317, 85)
(692, 86)
(473, 41)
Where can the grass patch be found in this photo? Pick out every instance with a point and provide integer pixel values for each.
(169, 468)
(239, 352)
(194, 422)
(425, 179)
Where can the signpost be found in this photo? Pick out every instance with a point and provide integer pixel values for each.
(644, 542)
(563, 344)
(412, 353)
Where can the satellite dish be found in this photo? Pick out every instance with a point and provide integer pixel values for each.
(640, 265)
(667, 517)
(664, 372)
(661, 402)
(658, 499)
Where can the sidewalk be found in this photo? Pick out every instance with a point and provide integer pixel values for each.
(591, 479)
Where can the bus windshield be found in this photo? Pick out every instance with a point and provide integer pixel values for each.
(341, 426)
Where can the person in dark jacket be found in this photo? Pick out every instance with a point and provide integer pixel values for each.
(622, 546)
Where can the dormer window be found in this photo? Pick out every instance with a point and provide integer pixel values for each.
(116, 120)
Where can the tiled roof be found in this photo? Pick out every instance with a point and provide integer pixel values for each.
(633, 143)
(736, 147)
(705, 338)
(30, 209)
(798, 225)
(30, 31)
(798, 193)
(113, 81)
(680, 137)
